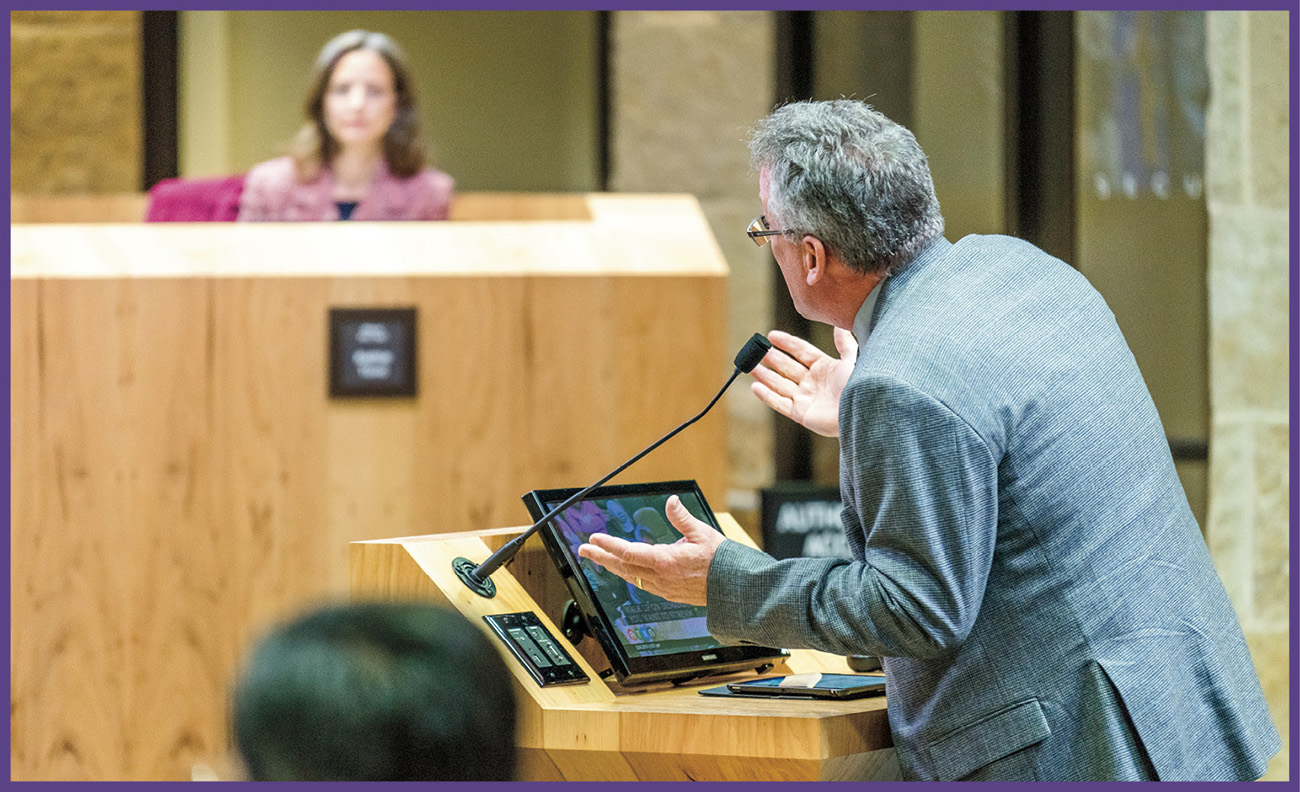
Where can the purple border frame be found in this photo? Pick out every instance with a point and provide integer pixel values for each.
(1294, 325)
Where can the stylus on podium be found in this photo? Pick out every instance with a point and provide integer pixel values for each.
(478, 576)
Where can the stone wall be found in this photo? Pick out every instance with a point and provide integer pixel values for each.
(75, 101)
(685, 88)
(1248, 197)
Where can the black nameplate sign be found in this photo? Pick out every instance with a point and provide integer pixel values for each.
(372, 352)
(802, 522)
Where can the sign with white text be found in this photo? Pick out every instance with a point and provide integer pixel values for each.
(802, 521)
(372, 352)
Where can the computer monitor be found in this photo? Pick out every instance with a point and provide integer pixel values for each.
(646, 638)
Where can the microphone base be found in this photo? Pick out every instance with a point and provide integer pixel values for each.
(463, 568)
(863, 663)
(573, 625)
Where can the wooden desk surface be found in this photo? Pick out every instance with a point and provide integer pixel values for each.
(181, 479)
(602, 732)
(622, 234)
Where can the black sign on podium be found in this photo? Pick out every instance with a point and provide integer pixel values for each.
(372, 352)
(801, 520)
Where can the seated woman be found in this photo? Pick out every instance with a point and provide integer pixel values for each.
(359, 155)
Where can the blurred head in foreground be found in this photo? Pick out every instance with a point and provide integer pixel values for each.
(376, 692)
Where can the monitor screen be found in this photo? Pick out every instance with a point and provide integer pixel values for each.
(645, 624)
(645, 636)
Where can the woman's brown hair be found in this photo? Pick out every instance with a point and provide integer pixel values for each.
(313, 147)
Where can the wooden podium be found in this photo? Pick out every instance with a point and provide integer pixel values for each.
(181, 479)
(601, 732)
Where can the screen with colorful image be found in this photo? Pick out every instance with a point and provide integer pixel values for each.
(645, 624)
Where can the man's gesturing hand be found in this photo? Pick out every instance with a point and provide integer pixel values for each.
(678, 572)
(804, 383)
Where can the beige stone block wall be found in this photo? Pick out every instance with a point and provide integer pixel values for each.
(685, 88)
(1247, 166)
(75, 101)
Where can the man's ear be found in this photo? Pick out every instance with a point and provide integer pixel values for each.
(813, 257)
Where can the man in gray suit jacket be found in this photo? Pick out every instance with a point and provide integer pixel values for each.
(1024, 558)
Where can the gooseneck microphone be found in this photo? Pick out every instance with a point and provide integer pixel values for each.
(478, 577)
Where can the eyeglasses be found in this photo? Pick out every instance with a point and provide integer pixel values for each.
(759, 231)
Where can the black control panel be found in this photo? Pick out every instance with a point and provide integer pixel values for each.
(534, 646)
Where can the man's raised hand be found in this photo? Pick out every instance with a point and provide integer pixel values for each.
(804, 383)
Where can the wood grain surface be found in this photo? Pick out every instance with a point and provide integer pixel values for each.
(87, 208)
(660, 732)
(132, 207)
(181, 481)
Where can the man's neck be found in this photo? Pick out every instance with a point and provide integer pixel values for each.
(862, 319)
(856, 293)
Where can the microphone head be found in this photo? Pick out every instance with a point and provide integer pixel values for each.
(752, 352)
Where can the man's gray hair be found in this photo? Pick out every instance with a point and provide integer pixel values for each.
(846, 174)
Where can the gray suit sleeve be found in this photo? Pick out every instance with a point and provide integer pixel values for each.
(925, 485)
